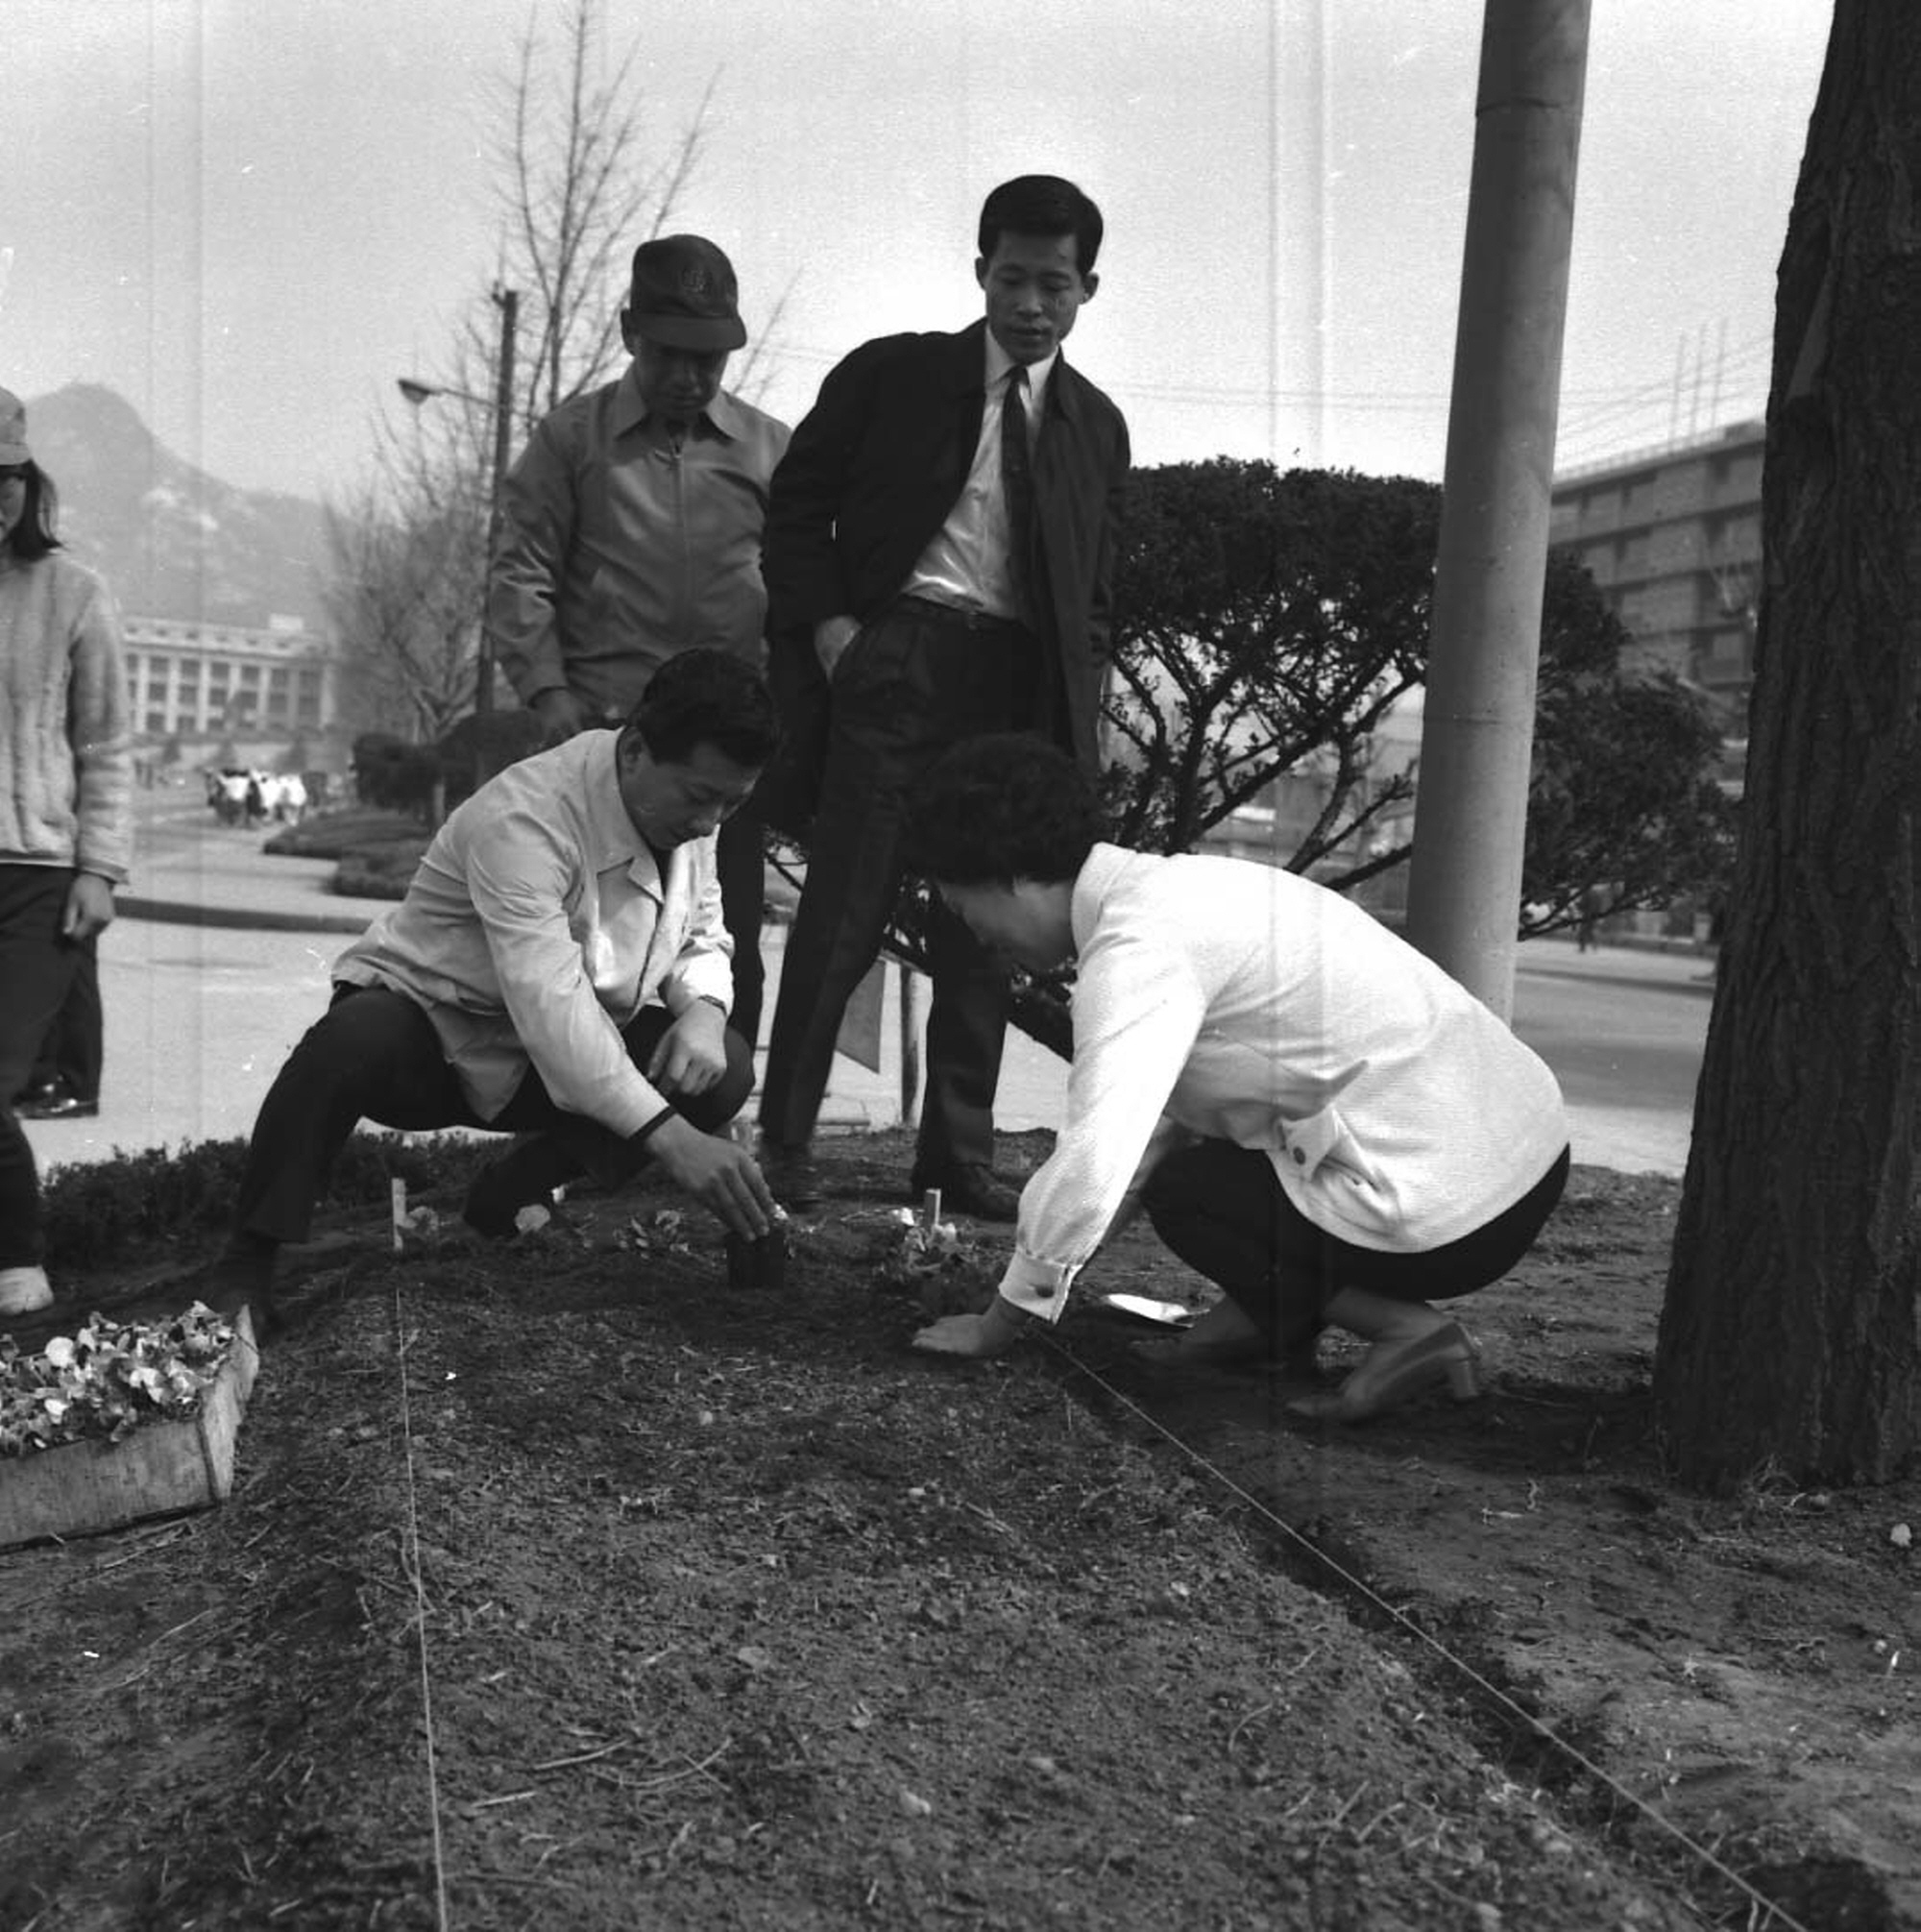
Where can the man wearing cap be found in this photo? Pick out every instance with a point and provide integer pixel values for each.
(630, 531)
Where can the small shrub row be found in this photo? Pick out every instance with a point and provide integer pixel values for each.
(110, 1210)
(379, 872)
(333, 835)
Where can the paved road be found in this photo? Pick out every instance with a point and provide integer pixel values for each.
(1623, 1029)
(200, 1016)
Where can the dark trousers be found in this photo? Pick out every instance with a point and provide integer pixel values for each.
(1222, 1210)
(37, 967)
(914, 682)
(741, 859)
(72, 1053)
(375, 1056)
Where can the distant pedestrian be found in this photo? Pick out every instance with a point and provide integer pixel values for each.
(940, 562)
(66, 823)
(630, 531)
(1593, 910)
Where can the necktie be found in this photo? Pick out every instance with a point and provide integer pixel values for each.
(1017, 485)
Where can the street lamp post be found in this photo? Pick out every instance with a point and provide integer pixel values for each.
(415, 392)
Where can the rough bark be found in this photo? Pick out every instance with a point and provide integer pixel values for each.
(1788, 1342)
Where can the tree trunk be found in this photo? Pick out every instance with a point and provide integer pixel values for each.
(1788, 1342)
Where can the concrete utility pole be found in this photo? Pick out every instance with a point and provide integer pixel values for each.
(1470, 812)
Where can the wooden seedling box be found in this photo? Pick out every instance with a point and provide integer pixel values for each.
(159, 1469)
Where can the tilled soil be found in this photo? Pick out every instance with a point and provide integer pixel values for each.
(564, 1586)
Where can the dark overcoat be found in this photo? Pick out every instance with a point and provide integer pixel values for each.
(866, 483)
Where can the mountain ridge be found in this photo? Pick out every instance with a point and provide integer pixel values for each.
(172, 541)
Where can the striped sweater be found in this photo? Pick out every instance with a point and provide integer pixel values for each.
(66, 758)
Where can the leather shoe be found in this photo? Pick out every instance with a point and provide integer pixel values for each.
(243, 1278)
(971, 1189)
(493, 1204)
(24, 1291)
(525, 1176)
(1394, 1372)
(789, 1168)
(53, 1102)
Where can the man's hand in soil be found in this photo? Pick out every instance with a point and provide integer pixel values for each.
(561, 714)
(693, 1052)
(720, 1176)
(980, 1335)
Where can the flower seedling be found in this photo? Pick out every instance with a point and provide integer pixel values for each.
(109, 1377)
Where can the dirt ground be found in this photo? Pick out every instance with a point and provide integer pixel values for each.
(564, 1586)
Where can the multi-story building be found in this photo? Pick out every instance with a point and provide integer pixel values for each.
(1672, 537)
(192, 681)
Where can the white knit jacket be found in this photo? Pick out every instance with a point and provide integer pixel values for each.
(66, 758)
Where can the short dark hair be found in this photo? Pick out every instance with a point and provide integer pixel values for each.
(35, 533)
(1043, 204)
(707, 697)
(1006, 807)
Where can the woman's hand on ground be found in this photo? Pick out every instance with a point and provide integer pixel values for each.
(989, 1334)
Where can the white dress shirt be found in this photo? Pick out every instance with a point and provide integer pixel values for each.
(539, 924)
(967, 564)
(1222, 999)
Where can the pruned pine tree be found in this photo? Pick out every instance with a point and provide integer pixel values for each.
(1788, 1340)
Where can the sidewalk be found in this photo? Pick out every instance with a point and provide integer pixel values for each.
(1680, 970)
(234, 883)
(221, 959)
(230, 881)
(224, 961)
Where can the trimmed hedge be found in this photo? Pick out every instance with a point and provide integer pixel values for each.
(112, 1211)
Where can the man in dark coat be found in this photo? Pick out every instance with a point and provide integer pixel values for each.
(939, 562)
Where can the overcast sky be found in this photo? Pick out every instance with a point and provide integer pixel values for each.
(248, 216)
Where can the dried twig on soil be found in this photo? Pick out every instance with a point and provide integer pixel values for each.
(586, 1756)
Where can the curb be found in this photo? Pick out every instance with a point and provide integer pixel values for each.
(191, 912)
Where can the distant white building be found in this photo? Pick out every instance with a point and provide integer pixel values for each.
(1672, 537)
(210, 680)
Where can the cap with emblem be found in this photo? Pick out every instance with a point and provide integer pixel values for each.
(13, 429)
(684, 295)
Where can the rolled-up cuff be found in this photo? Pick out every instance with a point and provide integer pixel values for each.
(708, 977)
(1037, 1288)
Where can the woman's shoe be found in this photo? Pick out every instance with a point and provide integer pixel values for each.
(1393, 1373)
(24, 1292)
